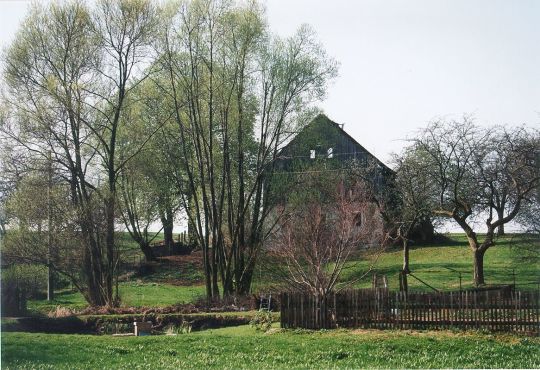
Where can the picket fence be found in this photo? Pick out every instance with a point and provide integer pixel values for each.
(510, 311)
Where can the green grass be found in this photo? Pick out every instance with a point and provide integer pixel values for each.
(433, 265)
(153, 294)
(189, 273)
(243, 348)
(132, 294)
(64, 298)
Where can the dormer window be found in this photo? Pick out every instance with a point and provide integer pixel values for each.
(330, 153)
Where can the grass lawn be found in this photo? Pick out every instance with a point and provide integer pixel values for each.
(439, 266)
(153, 294)
(243, 347)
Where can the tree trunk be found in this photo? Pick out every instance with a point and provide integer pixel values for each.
(168, 235)
(108, 283)
(50, 283)
(500, 229)
(244, 285)
(403, 282)
(228, 287)
(478, 273)
(93, 279)
(191, 227)
(168, 225)
(50, 275)
(405, 268)
(148, 252)
(207, 270)
(214, 269)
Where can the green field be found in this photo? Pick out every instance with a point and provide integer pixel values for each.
(134, 294)
(439, 266)
(243, 347)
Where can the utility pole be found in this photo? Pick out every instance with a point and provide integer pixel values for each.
(50, 276)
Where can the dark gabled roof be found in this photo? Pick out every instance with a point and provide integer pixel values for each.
(321, 118)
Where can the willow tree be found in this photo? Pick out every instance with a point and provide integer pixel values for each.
(68, 74)
(237, 92)
(148, 194)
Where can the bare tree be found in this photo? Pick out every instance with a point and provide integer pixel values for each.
(478, 173)
(401, 197)
(405, 205)
(316, 240)
(529, 219)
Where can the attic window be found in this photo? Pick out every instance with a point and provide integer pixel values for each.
(330, 152)
(312, 154)
(358, 219)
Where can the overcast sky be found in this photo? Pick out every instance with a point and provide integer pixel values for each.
(404, 63)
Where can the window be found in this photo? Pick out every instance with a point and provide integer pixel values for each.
(312, 154)
(330, 152)
(358, 219)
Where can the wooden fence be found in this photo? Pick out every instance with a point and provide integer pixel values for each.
(511, 311)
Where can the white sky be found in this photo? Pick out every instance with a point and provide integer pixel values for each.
(404, 63)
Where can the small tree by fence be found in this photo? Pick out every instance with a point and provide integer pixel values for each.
(511, 311)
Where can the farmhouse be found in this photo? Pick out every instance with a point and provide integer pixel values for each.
(323, 153)
(320, 158)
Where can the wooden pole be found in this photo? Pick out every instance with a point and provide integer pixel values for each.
(50, 275)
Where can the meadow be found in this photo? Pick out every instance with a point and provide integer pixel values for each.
(245, 348)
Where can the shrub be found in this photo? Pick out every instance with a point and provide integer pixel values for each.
(60, 311)
(262, 321)
(31, 278)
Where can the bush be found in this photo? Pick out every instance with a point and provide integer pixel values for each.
(262, 321)
(60, 311)
(30, 278)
